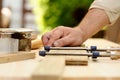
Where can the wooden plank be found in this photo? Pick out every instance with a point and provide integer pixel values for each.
(18, 70)
(100, 43)
(10, 57)
(73, 60)
(103, 69)
(76, 60)
(51, 68)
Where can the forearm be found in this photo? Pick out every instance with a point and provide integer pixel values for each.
(94, 21)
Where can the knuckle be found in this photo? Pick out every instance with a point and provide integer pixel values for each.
(60, 27)
(61, 43)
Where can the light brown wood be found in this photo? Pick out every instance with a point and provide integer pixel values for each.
(10, 57)
(76, 60)
(100, 43)
(51, 68)
(102, 69)
(36, 43)
(73, 60)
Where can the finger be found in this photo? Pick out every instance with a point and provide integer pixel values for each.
(63, 41)
(46, 37)
(56, 34)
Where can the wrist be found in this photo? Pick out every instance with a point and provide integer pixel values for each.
(81, 33)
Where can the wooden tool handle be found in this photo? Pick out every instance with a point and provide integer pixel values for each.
(115, 55)
(37, 43)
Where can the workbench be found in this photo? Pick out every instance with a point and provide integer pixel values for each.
(102, 69)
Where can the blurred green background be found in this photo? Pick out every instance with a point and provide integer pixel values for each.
(53, 13)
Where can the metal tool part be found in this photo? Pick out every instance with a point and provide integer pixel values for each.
(92, 48)
(94, 54)
(15, 39)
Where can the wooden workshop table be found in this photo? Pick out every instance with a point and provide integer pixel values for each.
(103, 69)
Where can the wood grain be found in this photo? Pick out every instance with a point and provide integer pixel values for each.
(73, 60)
(76, 60)
(51, 68)
(10, 57)
(102, 69)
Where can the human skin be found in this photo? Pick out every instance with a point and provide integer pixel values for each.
(94, 20)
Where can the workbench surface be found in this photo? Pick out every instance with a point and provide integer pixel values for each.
(102, 69)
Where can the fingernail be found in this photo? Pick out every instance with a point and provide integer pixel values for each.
(56, 43)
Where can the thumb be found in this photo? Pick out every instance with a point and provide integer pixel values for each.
(63, 42)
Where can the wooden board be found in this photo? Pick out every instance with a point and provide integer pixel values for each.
(73, 60)
(76, 60)
(51, 68)
(103, 69)
(100, 43)
(10, 57)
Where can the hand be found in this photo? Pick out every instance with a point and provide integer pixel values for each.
(63, 36)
